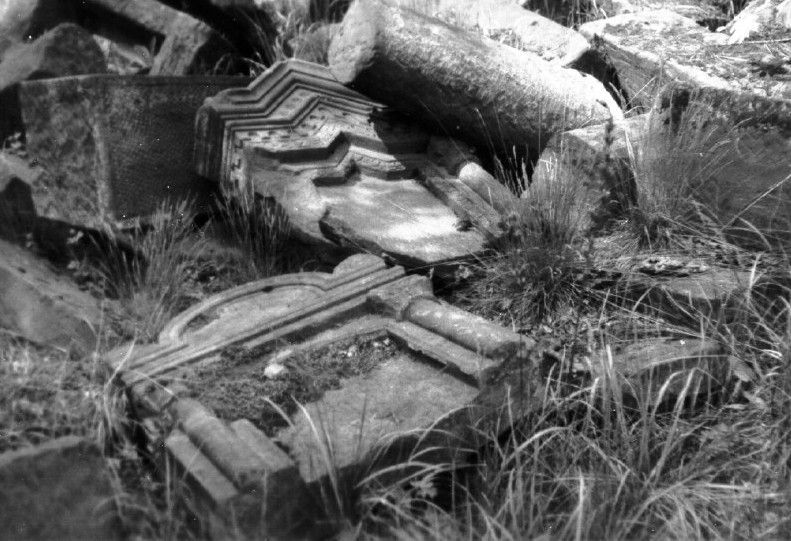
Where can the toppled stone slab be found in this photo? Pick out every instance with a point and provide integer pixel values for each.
(383, 368)
(65, 50)
(711, 88)
(659, 371)
(346, 170)
(574, 164)
(58, 490)
(43, 307)
(116, 147)
(708, 13)
(509, 23)
(185, 44)
(492, 95)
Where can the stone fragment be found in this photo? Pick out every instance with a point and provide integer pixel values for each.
(64, 50)
(116, 147)
(414, 388)
(494, 96)
(58, 490)
(186, 45)
(659, 371)
(43, 307)
(347, 171)
(22, 22)
(570, 172)
(760, 19)
(509, 23)
(125, 59)
(733, 93)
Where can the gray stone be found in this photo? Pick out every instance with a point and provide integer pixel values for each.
(65, 50)
(507, 22)
(116, 147)
(496, 97)
(21, 22)
(187, 45)
(346, 170)
(420, 397)
(705, 12)
(659, 371)
(569, 170)
(760, 19)
(58, 490)
(43, 307)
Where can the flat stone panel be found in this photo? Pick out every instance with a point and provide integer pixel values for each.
(117, 146)
(347, 170)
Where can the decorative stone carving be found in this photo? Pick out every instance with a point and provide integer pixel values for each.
(417, 376)
(348, 169)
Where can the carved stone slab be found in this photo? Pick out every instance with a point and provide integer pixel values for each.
(346, 169)
(415, 371)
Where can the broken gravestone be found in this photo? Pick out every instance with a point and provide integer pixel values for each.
(496, 97)
(57, 490)
(347, 170)
(65, 50)
(115, 147)
(383, 371)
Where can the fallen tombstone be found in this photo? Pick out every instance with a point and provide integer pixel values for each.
(44, 307)
(57, 490)
(65, 50)
(764, 20)
(660, 371)
(115, 147)
(185, 44)
(384, 370)
(709, 13)
(346, 170)
(509, 23)
(705, 85)
(498, 98)
(584, 167)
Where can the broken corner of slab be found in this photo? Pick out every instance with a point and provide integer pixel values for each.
(348, 171)
(372, 369)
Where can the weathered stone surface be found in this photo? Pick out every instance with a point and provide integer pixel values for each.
(313, 45)
(24, 21)
(346, 170)
(705, 12)
(64, 50)
(509, 23)
(570, 168)
(762, 19)
(115, 146)
(730, 89)
(661, 370)
(43, 307)
(430, 379)
(495, 96)
(57, 490)
(187, 45)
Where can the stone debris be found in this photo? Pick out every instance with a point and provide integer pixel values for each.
(401, 396)
(509, 23)
(186, 45)
(65, 50)
(116, 147)
(334, 159)
(39, 305)
(492, 95)
(57, 490)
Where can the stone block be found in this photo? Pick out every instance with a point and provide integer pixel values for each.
(43, 307)
(65, 50)
(185, 44)
(346, 170)
(406, 385)
(58, 490)
(668, 60)
(116, 146)
(569, 169)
